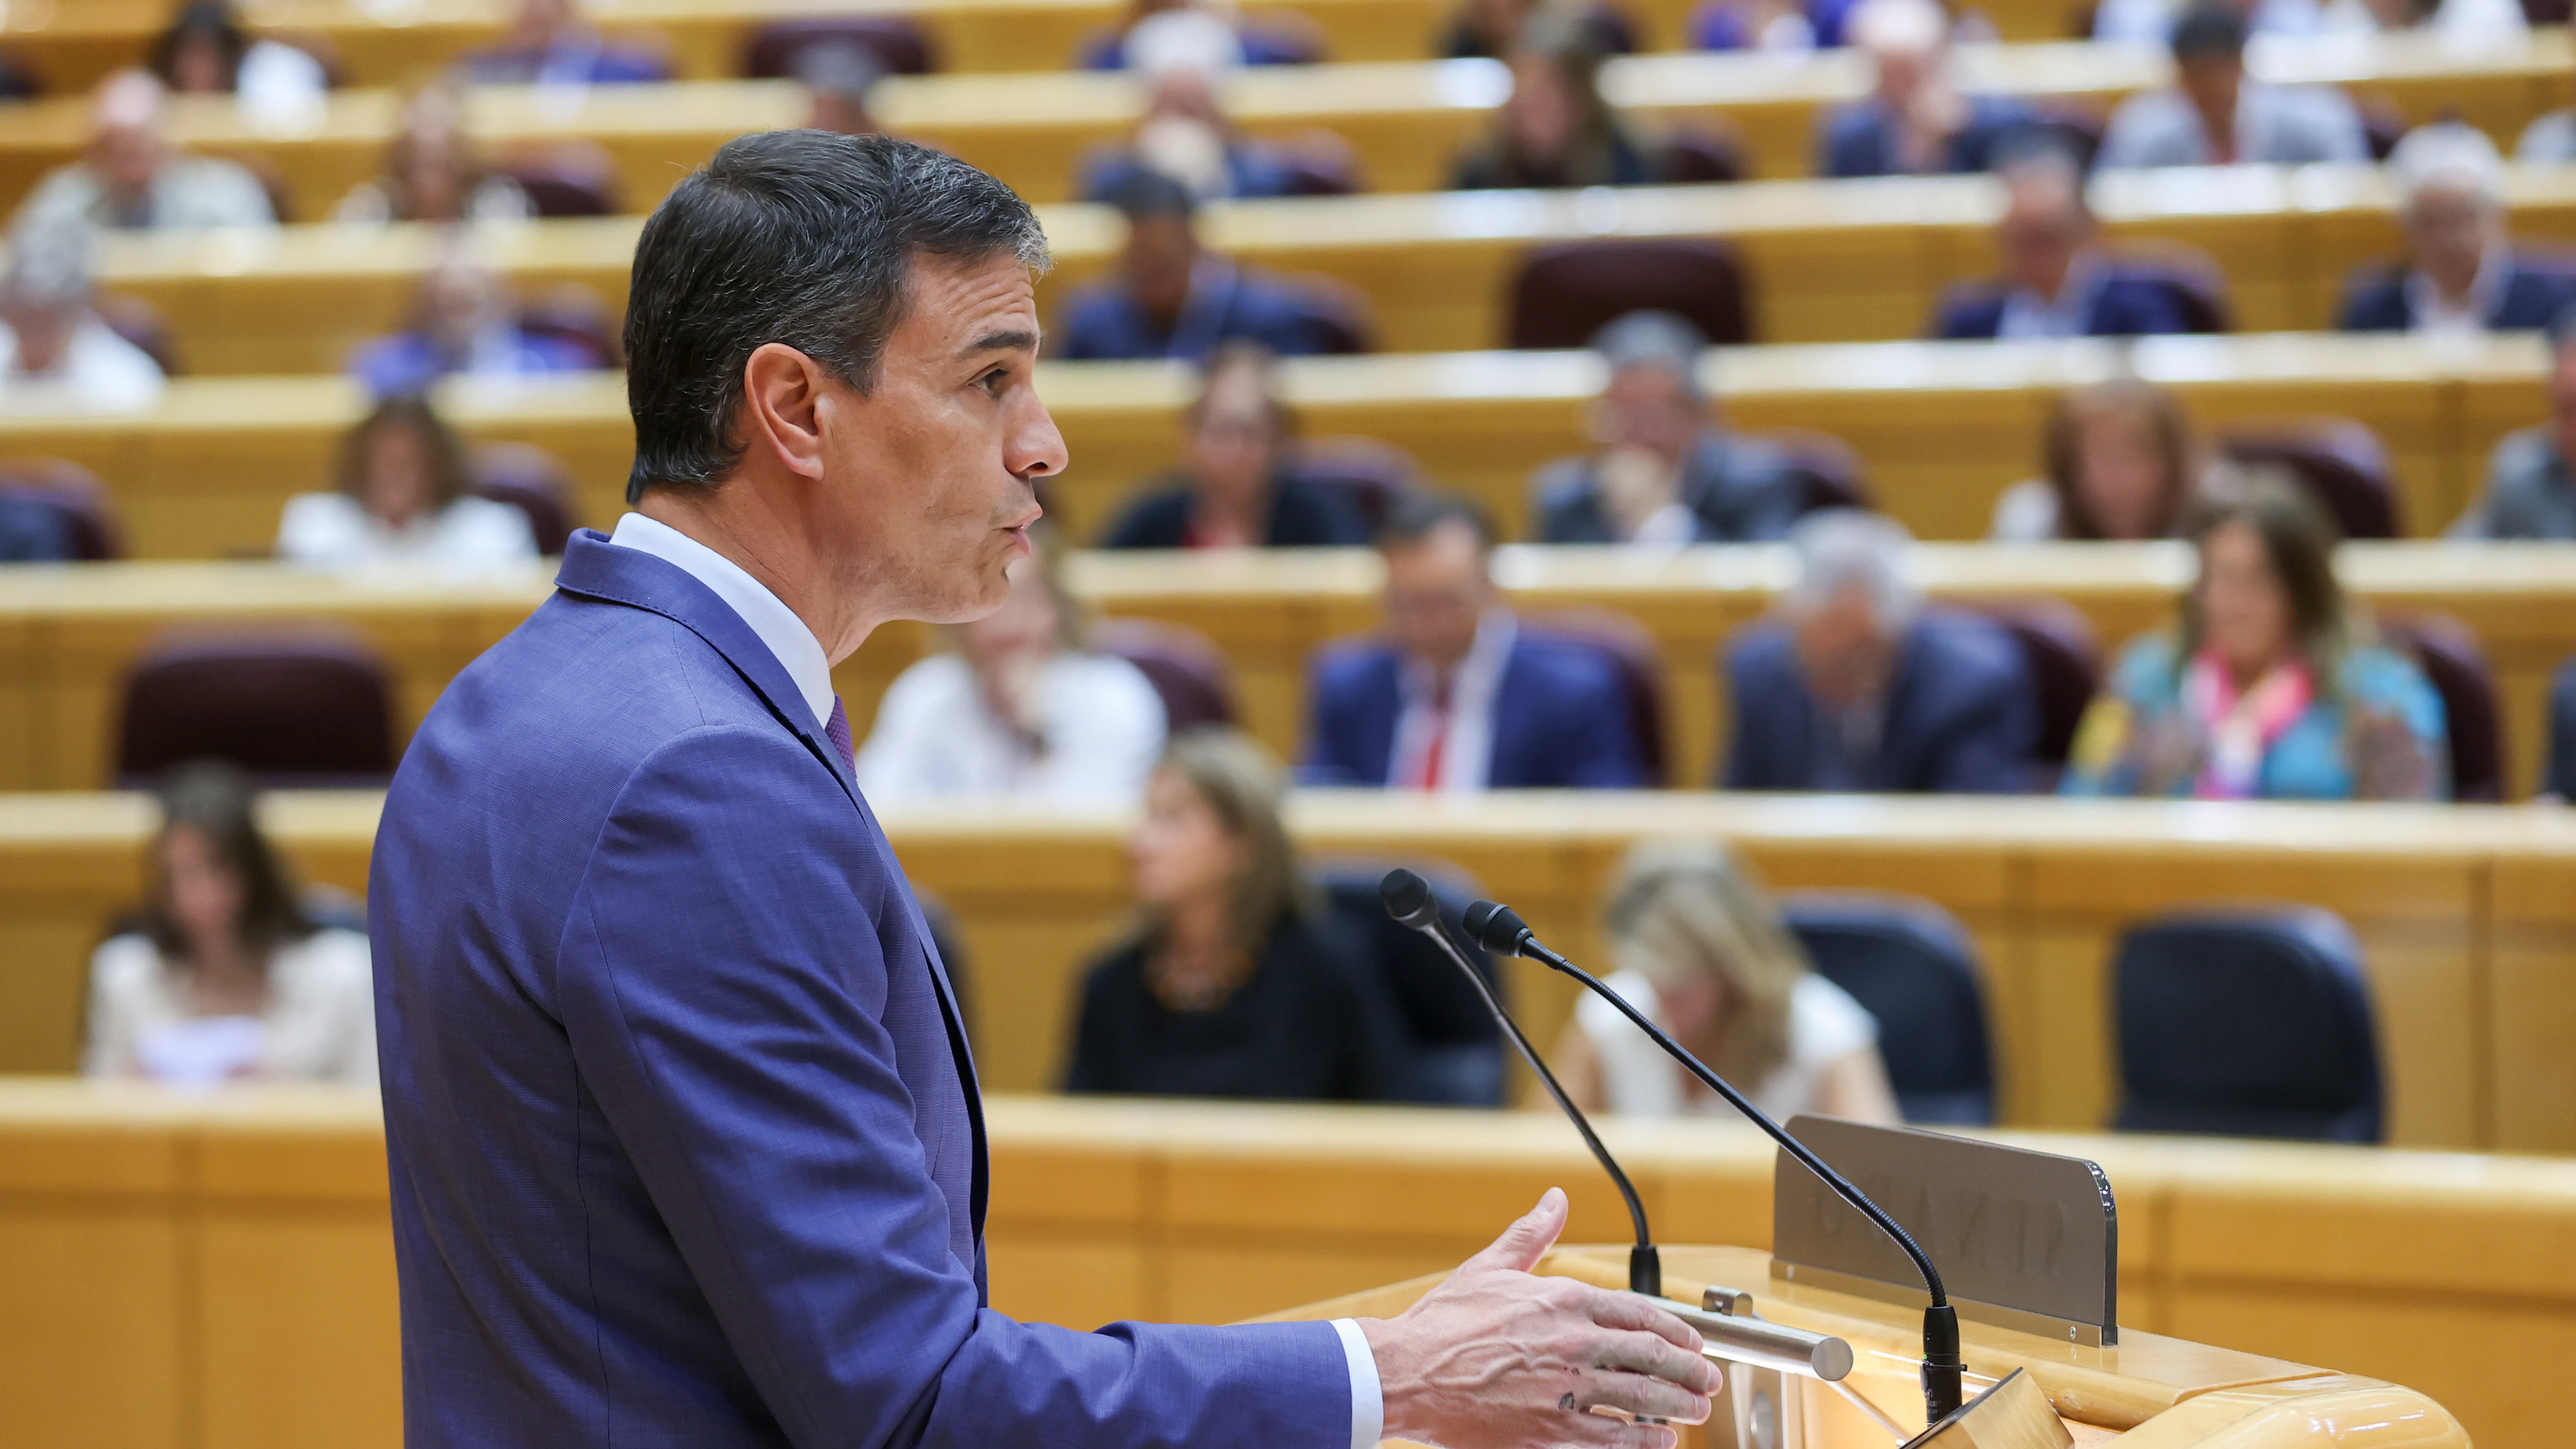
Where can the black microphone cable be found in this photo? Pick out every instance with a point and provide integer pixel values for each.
(1497, 927)
(1408, 900)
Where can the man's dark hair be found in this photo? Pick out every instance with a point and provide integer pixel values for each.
(1422, 514)
(1145, 194)
(798, 237)
(2209, 32)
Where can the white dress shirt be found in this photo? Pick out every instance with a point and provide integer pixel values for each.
(334, 530)
(1825, 1026)
(100, 372)
(318, 1023)
(936, 738)
(802, 656)
(1466, 749)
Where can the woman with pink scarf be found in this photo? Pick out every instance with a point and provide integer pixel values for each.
(2270, 686)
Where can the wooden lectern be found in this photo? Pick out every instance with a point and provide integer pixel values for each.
(2145, 1392)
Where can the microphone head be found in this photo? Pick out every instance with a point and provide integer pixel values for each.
(1496, 927)
(1408, 899)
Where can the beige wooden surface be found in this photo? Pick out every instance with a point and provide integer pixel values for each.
(67, 637)
(1405, 120)
(2472, 1035)
(217, 1271)
(1944, 428)
(1824, 261)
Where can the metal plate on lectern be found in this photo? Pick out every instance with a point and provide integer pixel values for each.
(2024, 1240)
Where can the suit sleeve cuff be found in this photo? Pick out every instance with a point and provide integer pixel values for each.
(1368, 1398)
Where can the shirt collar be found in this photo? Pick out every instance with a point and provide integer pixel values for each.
(797, 650)
(2424, 300)
(1480, 672)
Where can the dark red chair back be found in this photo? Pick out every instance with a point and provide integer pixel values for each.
(570, 178)
(2063, 656)
(573, 314)
(142, 324)
(1369, 475)
(1185, 668)
(1702, 152)
(2451, 657)
(72, 493)
(1829, 471)
(2340, 461)
(1344, 317)
(1565, 293)
(895, 42)
(1630, 647)
(294, 708)
(1320, 163)
(533, 481)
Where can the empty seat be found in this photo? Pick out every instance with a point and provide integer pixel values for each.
(1456, 1052)
(566, 178)
(1630, 648)
(2247, 1023)
(1563, 294)
(2451, 657)
(2064, 658)
(1345, 322)
(2340, 461)
(1704, 152)
(1319, 163)
(1369, 475)
(301, 708)
(894, 42)
(1185, 668)
(71, 494)
(534, 482)
(1912, 966)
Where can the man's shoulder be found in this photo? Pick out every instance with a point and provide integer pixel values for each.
(1968, 655)
(1351, 666)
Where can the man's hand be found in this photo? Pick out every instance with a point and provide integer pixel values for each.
(1497, 1359)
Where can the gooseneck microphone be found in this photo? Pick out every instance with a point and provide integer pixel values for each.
(1408, 900)
(1498, 928)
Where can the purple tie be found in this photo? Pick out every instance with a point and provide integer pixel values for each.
(837, 730)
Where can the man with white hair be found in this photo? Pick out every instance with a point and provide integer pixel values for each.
(1915, 121)
(2463, 275)
(132, 177)
(1855, 686)
(56, 355)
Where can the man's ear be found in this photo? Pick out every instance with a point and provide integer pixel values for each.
(782, 394)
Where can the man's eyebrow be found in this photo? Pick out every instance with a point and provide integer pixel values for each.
(1013, 340)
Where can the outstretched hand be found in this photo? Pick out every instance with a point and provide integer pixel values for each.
(1495, 1358)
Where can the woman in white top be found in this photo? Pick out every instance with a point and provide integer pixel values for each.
(226, 979)
(405, 496)
(1018, 708)
(1700, 948)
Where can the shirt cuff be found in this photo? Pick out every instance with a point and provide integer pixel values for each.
(1368, 1398)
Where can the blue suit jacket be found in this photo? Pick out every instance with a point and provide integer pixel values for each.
(1860, 140)
(2529, 299)
(1560, 717)
(2125, 304)
(684, 1140)
(1961, 718)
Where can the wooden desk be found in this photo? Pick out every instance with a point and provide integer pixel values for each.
(1406, 120)
(1944, 428)
(2462, 910)
(1826, 261)
(184, 1271)
(68, 636)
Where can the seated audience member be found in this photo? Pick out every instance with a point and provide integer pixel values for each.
(225, 978)
(206, 51)
(1555, 129)
(1172, 298)
(552, 44)
(405, 495)
(1665, 472)
(840, 89)
(466, 324)
(2122, 466)
(1857, 687)
(2214, 116)
(1230, 984)
(1235, 488)
(1183, 134)
(1459, 695)
(2530, 490)
(1253, 43)
(2463, 275)
(132, 178)
(1017, 707)
(432, 174)
(1915, 121)
(1698, 945)
(56, 354)
(2268, 687)
(2056, 280)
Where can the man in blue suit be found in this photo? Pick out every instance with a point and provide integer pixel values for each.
(1173, 298)
(1459, 694)
(2464, 274)
(683, 1132)
(1856, 688)
(2056, 282)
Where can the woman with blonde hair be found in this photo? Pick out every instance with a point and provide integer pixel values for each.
(1230, 984)
(1698, 945)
